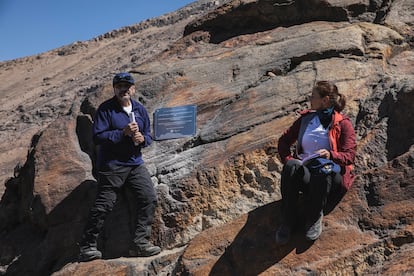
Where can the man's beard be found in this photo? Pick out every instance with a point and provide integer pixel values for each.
(124, 97)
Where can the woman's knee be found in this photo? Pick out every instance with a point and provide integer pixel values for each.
(293, 163)
(291, 167)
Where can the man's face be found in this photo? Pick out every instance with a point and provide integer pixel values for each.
(124, 91)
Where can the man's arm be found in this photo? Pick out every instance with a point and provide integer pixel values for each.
(102, 132)
(146, 131)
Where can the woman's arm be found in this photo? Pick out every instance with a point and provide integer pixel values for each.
(346, 145)
(287, 139)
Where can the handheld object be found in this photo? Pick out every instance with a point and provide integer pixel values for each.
(132, 120)
(131, 117)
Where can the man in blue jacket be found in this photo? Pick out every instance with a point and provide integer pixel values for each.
(121, 128)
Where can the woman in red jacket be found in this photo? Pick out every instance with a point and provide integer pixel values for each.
(327, 134)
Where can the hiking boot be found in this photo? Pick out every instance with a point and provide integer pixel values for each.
(89, 253)
(144, 250)
(283, 234)
(314, 230)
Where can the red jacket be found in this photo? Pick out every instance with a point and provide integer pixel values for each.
(341, 138)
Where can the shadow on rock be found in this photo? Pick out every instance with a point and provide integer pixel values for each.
(55, 245)
(254, 249)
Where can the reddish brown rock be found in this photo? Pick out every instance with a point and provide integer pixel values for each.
(360, 236)
(162, 264)
(248, 66)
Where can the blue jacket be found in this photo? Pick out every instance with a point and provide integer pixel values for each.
(115, 147)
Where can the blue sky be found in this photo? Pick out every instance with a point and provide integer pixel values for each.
(29, 27)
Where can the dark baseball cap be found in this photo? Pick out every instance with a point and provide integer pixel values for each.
(123, 77)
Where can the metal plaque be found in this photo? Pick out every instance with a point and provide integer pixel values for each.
(175, 122)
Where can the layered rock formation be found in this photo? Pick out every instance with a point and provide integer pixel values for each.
(248, 66)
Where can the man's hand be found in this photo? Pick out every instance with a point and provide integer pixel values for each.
(138, 138)
(131, 129)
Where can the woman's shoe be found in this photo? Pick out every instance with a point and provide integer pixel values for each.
(314, 230)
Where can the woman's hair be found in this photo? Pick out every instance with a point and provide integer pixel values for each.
(328, 88)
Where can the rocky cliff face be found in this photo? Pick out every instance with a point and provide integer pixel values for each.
(248, 66)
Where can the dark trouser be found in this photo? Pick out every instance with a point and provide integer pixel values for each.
(316, 189)
(111, 179)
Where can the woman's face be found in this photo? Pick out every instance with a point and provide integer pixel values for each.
(317, 102)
